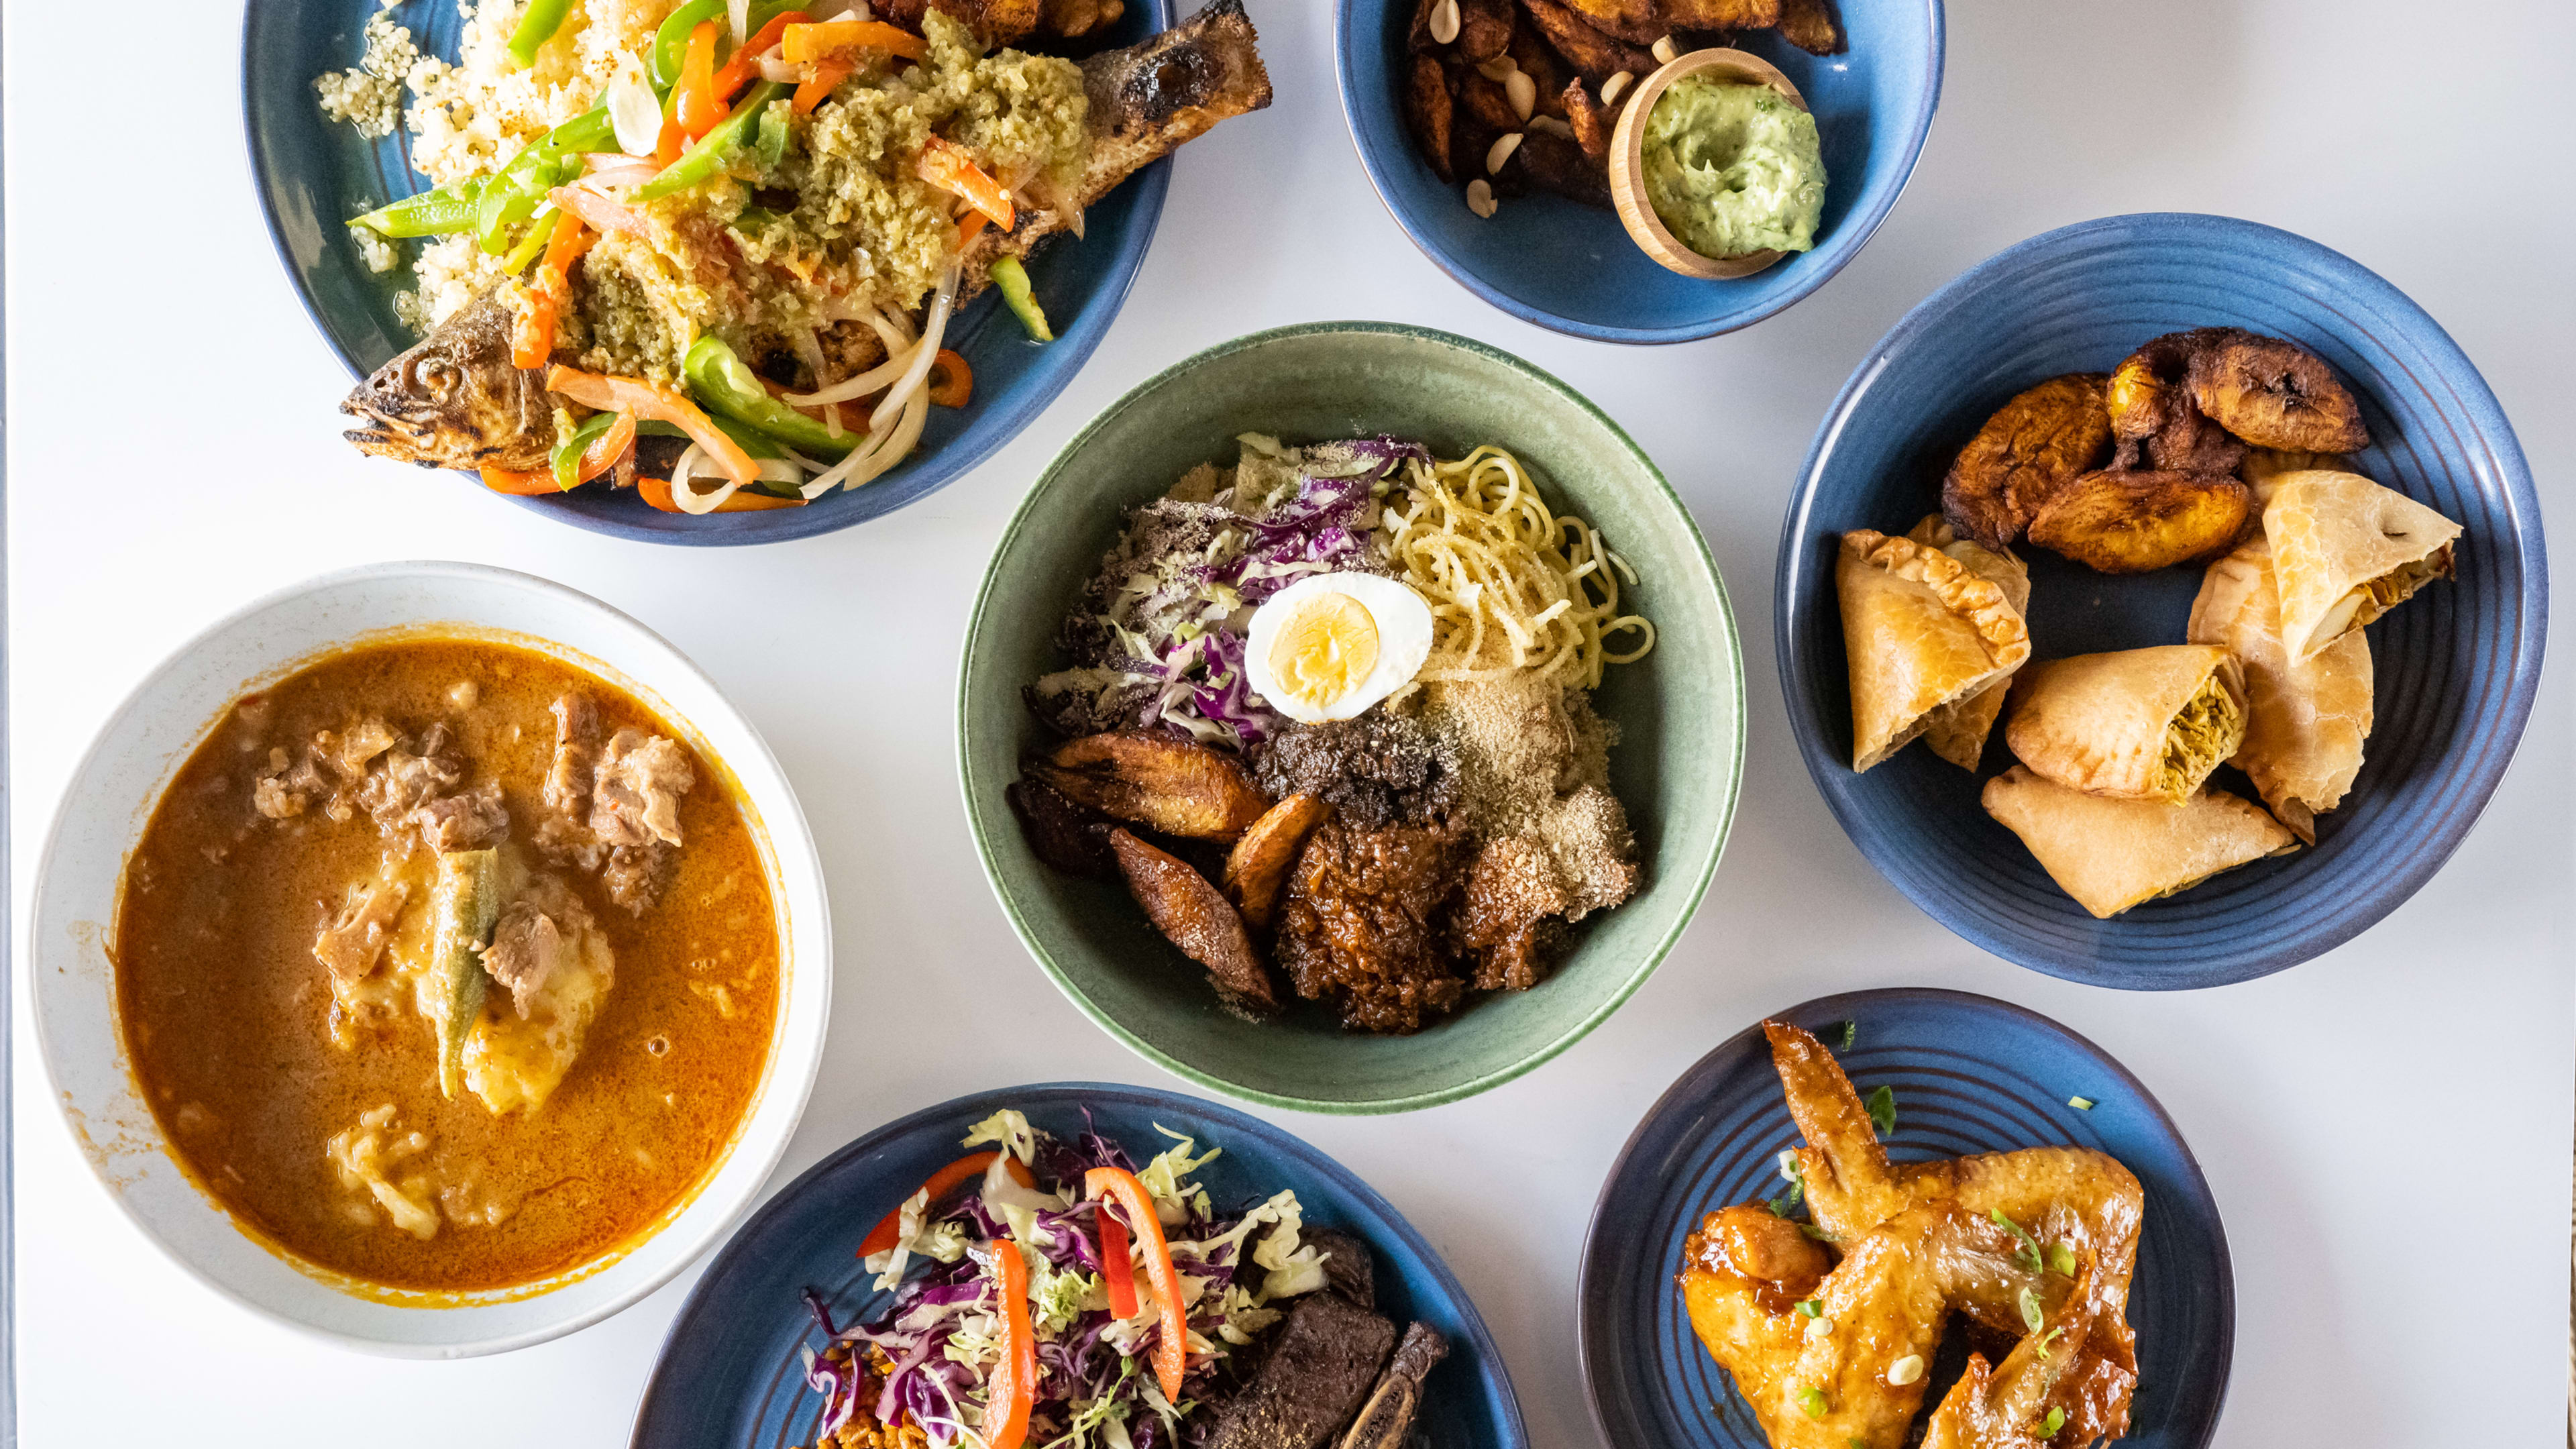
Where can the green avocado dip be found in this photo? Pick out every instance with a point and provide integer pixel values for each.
(1734, 169)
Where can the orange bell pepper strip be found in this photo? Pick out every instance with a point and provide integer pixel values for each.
(605, 450)
(532, 484)
(889, 1231)
(947, 165)
(975, 222)
(693, 97)
(646, 400)
(744, 64)
(801, 43)
(532, 335)
(1172, 1331)
(1013, 1389)
(1117, 1273)
(828, 75)
(952, 384)
(657, 492)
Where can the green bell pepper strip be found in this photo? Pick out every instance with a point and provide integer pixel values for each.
(549, 161)
(772, 146)
(536, 27)
(435, 212)
(1013, 279)
(730, 389)
(708, 157)
(541, 229)
(567, 458)
(671, 42)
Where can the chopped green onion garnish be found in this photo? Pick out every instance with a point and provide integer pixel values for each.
(2055, 1421)
(1813, 1401)
(2061, 1260)
(2045, 1339)
(1882, 1111)
(2029, 1252)
(1816, 1234)
(2031, 1317)
(2080, 1104)
(1780, 1206)
(1811, 1307)
(1851, 1033)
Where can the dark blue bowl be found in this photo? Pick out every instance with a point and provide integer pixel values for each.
(1574, 268)
(1971, 1074)
(2457, 666)
(730, 1371)
(312, 173)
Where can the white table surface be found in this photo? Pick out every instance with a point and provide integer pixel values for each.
(2386, 1129)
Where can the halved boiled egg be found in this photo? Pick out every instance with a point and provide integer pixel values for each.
(1330, 645)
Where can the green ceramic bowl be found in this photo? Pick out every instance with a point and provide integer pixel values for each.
(1680, 710)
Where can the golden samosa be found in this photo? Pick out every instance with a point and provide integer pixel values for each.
(2137, 724)
(1921, 631)
(1957, 731)
(2346, 551)
(2113, 854)
(2305, 721)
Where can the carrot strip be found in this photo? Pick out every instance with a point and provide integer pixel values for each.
(694, 99)
(738, 71)
(949, 166)
(802, 43)
(646, 400)
(952, 382)
(534, 483)
(828, 75)
(657, 493)
(606, 449)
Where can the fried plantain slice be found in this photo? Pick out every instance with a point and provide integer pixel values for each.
(2032, 446)
(1427, 113)
(1196, 917)
(1256, 871)
(2274, 393)
(2135, 523)
(1177, 786)
(1064, 835)
(1592, 121)
(1810, 26)
(1643, 22)
(1593, 54)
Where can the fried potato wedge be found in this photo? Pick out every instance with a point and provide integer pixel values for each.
(2034, 445)
(1539, 61)
(1427, 113)
(1073, 19)
(1484, 29)
(1643, 22)
(1593, 54)
(1592, 121)
(1196, 917)
(1066, 836)
(1174, 785)
(1256, 871)
(2135, 523)
(2274, 393)
(1810, 26)
(1554, 164)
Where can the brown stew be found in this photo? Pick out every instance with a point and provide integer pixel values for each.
(341, 868)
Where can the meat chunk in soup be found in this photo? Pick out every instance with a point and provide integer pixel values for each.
(559, 968)
(635, 797)
(614, 810)
(354, 942)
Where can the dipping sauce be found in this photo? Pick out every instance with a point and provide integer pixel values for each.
(287, 937)
(1734, 169)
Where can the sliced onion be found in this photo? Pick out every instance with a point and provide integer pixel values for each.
(608, 168)
(688, 499)
(774, 66)
(738, 15)
(635, 115)
(881, 375)
(934, 327)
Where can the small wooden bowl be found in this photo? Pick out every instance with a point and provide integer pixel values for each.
(1628, 161)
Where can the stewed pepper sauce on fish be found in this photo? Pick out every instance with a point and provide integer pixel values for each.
(446, 965)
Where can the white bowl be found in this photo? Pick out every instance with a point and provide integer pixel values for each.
(110, 800)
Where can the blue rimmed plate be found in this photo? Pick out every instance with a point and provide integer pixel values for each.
(311, 173)
(731, 1372)
(1971, 1074)
(2457, 666)
(1573, 268)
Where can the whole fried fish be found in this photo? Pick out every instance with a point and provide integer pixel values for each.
(455, 401)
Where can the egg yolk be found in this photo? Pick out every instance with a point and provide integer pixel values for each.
(1325, 650)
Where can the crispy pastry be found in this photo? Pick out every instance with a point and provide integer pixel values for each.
(2304, 722)
(2112, 854)
(2262, 467)
(2135, 724)
(2345, 551)
(2273, 393)
(1957, 731)
(1920, 631)
(2034, 445)
(2138, 522)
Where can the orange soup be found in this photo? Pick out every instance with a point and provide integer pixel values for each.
(447, 965)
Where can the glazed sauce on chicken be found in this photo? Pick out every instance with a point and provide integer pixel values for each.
(277, 945)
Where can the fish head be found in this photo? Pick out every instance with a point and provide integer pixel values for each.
(455, 400)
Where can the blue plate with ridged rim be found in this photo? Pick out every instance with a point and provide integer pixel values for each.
(731, 1370)
(1971, 1074)
(312, 173)
(2457, 666)
(1574, 268)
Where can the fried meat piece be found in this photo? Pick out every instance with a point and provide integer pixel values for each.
(1553, 164)
(1363, 929)
(2034, 445)
(2135, 523)
(1066, 836)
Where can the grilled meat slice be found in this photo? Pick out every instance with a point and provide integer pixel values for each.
(1322, 1362)
(1386, 1420)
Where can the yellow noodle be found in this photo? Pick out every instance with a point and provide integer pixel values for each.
(1512, 587)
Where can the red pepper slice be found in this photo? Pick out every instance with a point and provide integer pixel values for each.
(883, 1237)
(1116, 1272)
(1013, 1389)
(739, 71)
(694, 99)
(1172, 1334)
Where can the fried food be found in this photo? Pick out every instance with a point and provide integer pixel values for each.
(2136, 523)
(2113, 854)
(2273, 393)
(2346, 551)
(1484, 29)
(1810, 26)
(2261, 466)
(1596, 55)
(1196, 917)
(1558, 166)
(2034, 445)
(1256, 870)
(1062, 834)
(1957, 731)
(1591, 120)
(2145, 391)
(2305, 721)
(1920, 631)
(2133, 724)
(1074, 19)
(1539, 61)
(1905, 1247)
(1175, 785)
(1364, 928)
(1427, 113)
(1643, 22)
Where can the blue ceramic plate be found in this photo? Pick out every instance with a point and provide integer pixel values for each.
(1971, 1074)
(1574, 268)
(731, 1373)
(2456, 666)
(312, 173)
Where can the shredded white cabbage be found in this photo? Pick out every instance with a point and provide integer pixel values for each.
(1007, 1128)
(1162, 1178)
